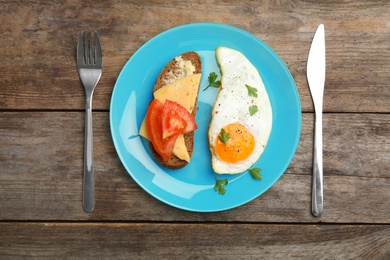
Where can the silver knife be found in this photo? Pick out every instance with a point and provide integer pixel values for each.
(316, 79)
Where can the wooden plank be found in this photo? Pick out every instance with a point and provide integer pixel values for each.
(354, 145)
(41, 160)
(38, 46)
(193, 241)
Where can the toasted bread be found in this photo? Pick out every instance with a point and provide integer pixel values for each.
(171, 72)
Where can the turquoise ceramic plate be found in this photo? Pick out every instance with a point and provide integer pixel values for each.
(192, 187)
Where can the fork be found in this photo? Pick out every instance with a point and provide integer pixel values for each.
(89, 65)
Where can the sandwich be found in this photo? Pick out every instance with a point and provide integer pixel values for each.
(170, 120)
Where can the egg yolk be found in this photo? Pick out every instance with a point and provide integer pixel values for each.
(239, 145)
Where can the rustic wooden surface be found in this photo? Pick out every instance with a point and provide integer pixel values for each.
(42, 135)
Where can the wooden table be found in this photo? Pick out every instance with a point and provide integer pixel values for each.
(42, 134)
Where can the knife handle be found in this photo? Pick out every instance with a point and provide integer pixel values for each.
(317, 204)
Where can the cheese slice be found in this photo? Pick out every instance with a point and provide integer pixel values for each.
(183, 91)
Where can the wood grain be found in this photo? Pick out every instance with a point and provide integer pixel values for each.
(42, 165)
(193, 241)
(43, 75)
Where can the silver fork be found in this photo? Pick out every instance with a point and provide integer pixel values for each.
(89, 65)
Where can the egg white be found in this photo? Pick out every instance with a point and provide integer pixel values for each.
(232, 105)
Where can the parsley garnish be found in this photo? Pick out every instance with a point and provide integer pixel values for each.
(252, 92)
(255, 172)
(219, 186)
(224, 137)
(253, 109)
(212, 81)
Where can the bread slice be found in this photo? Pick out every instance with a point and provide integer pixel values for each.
(171, 72)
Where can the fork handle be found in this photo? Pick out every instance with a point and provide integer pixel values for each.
(88, 174)
(317, 180)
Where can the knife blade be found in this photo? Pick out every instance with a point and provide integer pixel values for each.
(316, 64)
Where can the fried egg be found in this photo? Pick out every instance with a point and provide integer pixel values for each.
(241, 120)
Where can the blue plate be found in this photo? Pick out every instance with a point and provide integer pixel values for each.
(192, 187)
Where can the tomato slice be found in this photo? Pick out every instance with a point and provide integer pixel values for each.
(176, 119)
(154, 117)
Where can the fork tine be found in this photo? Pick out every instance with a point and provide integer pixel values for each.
(86, 52)
(98, 50)
(91, 50)
(80, 49)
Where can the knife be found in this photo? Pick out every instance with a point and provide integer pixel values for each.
(316, 79)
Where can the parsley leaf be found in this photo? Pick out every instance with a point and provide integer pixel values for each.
(253, 109)
(219, 186)
(212, 81)
(255, 172)
(223, 137)
(252, 92)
